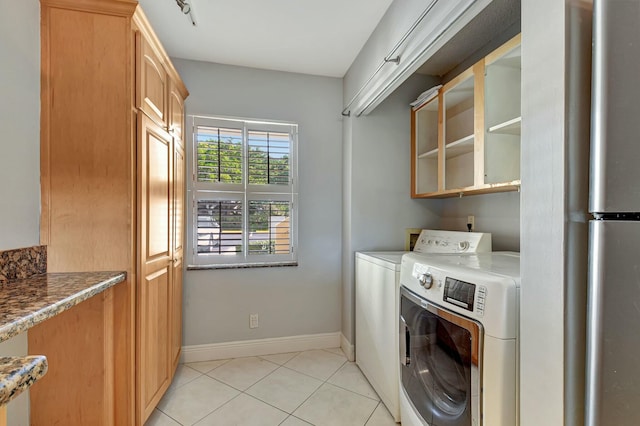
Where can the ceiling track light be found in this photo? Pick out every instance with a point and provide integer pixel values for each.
(187, 9)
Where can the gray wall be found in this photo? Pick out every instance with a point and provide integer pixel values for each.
(20, 147)
(498, 214)
(555, 146)
(378, 205)
(20, 123)
(290, 300)
(543, 209)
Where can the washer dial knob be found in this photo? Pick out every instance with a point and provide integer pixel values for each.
(426, 280)
(463, 245)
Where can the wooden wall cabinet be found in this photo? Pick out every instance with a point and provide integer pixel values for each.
(176, 112)
(467, 140)
(112, 178)
(152, 82)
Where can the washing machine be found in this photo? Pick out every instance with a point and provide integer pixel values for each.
(458, 341)
(377, 300)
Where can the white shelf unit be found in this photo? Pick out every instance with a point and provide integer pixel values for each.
(426, 133)
(460, 147)
(509, 127)
(429, 154)
(502, 115)
(459, 134)
(467, 140)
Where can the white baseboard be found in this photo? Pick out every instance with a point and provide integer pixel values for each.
(347, 348)
(276, 345)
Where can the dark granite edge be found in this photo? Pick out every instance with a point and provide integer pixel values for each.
(241, 266)
(17, 374)
(14, 328)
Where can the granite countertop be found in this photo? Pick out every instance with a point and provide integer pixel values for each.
(17, 374)
(27, 302)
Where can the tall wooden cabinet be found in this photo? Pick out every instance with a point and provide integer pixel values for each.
(112, 178)
(155, 284)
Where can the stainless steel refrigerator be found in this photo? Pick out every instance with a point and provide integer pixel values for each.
(613, 316)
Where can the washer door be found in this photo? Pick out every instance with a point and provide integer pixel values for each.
(439, 354)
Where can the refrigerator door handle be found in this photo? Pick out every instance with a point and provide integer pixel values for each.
(594, 328)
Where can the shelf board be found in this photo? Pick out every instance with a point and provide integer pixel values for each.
(459, 147)
(472, 190)
(510, 127)
(429, 154)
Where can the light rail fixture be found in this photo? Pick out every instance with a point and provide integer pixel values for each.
(187, 9)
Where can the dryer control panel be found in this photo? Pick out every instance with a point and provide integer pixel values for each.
(480, 286)
(441, 288)
(459, 293)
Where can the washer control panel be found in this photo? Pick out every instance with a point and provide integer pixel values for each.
(435, 241)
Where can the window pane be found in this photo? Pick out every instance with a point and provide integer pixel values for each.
(269, 154)
(219, 154)
(219, 227)
(269, 227)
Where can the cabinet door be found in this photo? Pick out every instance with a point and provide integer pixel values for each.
(460, 139)
(426, 123)
(152, 82)
(502, 114)
(155, 158)
(178, 250)
(176, 113)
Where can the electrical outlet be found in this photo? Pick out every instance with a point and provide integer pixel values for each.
(253, 321)
(471, 220)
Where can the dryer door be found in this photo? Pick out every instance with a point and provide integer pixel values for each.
(440, 362)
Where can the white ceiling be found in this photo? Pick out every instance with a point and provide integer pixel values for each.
(320, 37)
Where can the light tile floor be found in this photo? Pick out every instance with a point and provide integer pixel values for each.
(318, 387)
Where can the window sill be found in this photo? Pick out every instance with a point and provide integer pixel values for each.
(240, 266)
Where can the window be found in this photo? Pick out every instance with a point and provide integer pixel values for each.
(244, 192)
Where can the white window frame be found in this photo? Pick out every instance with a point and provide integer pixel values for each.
(243, 192)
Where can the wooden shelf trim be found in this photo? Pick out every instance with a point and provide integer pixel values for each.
(473, 190)
(503, 50)
(116, 8)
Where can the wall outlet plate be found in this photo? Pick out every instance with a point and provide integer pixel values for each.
(253, 321)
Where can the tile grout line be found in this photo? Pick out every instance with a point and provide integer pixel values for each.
(372, 413)
(352, 391)
(199, 420)
(306, 399)
(271, 405)
(278, 367)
